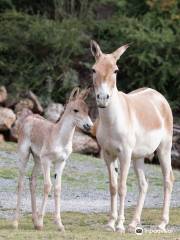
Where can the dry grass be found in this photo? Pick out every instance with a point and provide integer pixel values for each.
(86, 226)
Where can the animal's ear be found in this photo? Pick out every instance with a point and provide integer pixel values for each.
(84, 93)
(74, 94)
(95, 49)
(116, 54)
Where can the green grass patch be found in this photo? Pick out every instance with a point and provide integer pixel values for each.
(8, 146)
(8, 173)
(86, 226)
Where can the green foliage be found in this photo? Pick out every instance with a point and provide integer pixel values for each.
(152, 59)
(35, 48)
(5, 4)
(44, 44)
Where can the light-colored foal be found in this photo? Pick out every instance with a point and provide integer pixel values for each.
(49, 143)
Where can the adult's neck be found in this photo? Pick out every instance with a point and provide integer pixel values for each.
(64, 129)
(115, 107)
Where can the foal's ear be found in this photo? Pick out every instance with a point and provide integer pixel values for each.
(84, 93)
(116, 54)
(74, 94)
(95, 49)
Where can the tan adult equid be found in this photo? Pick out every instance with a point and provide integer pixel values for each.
(130, 127)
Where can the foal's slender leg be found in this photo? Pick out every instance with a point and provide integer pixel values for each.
(59, 166)
(47, 189)
(32, 184)
(125, 160)
(24, 156)
(113, 175)
(164, 154)
(143, 186)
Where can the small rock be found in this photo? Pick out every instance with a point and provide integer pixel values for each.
(85, 144)
(7, 118)
(3, 94)
(54, 112)
(24, 103)
(37, 105)
(19, 119)
(1, 140)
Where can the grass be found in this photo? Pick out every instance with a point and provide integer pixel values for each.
(8, 173)
(86, 226)
(8, 146)
(81, 169)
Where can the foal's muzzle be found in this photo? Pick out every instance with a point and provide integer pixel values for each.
(87, 127)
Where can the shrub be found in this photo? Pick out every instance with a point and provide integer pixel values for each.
(152, 59)
(44, 45)
(34, 49)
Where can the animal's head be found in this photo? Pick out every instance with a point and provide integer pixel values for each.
(79, 109)
(104, 73)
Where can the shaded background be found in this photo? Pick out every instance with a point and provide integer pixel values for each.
(44, 45)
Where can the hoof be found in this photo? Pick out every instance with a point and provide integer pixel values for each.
(162, 228)
(38, 227)
(131, 229)
(15, 224)
(35, 222)
(109, 228)
(59, 225)
(61, 228)
(120, 230)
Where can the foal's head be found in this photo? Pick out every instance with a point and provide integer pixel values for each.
(78, 109)
(104, 73)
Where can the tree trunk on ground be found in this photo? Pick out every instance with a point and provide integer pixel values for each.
(3, 94)
(53, 112)
(7, 118)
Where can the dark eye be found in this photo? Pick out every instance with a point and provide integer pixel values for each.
(75, 110)
(116, 71)
(93, 70)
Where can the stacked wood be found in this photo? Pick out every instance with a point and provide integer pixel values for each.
(20, 116)
(12, 119)
(37, 107)
(14, 111)
(31, 102)
(24, 103)
(3, 94)
(82, 143)
(53, 112)
(2, 138)
(7, 118)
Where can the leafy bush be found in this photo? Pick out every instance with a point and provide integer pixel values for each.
(152, 59)
(34, 49)
(44, 45)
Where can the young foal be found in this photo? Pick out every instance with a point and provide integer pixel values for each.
(131, 126)
(49, 143)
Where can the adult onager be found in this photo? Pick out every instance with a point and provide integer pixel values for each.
(49, 143)
(130, 126)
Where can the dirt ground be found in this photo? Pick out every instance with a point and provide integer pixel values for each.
(84, 188)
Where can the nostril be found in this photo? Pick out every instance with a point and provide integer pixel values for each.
(87, 126)
(107, 96)
(98, 96)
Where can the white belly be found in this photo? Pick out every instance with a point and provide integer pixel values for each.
(143, 143)
(147, 143)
